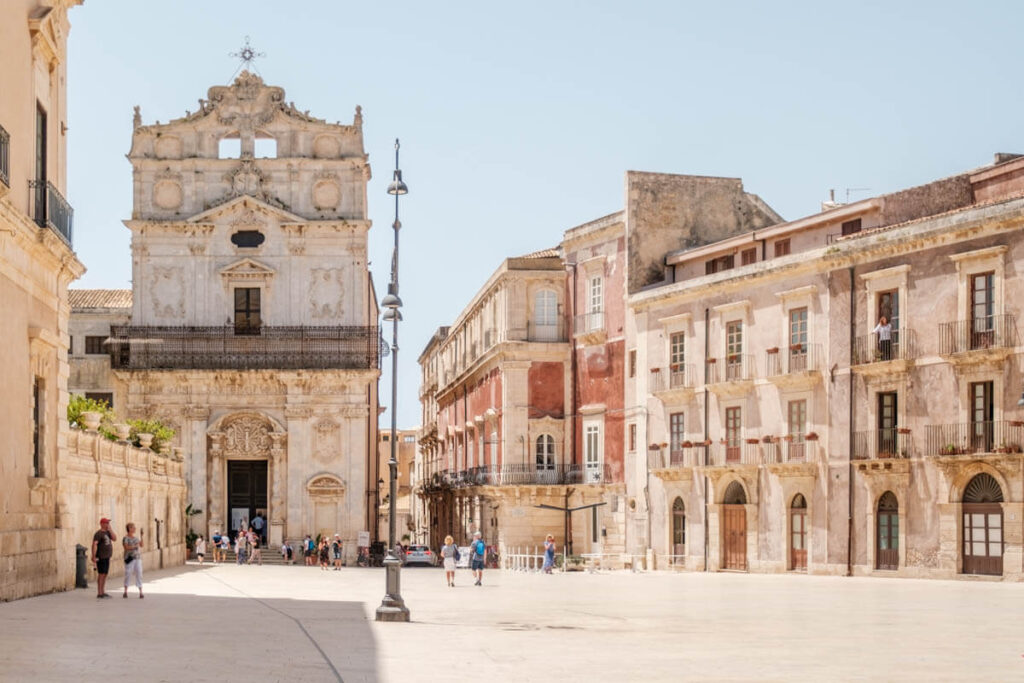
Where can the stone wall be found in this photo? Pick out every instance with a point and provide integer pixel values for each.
(102, 478)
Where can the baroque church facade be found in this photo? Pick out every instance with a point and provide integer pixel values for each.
(252, 326)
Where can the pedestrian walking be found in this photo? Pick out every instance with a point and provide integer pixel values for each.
(200, 547)
(286, 552)
(449, 555)
(258, 525)
(336, 547)
(307, 550)
(324, 552)
(549, 554)
(884, 331)
(102, 550)
(218, 553)
(132, 559)
(256, 553)
(479, 549)
(240, 551)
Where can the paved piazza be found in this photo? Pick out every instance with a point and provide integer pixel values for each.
(229, 623)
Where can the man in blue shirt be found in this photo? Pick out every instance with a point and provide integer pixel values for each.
(479, 549)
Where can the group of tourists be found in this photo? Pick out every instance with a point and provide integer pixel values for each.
(103, 551)
(450, 555)
(323, 551)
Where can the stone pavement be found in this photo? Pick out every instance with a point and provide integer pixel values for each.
(229, 623)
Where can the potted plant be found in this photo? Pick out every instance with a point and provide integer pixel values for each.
(774, 349)
(574, 563)
(1013, 448)
(811, 436)
(767, 438)
(788, 437)
(796, 347)
(712, 360)
(1017, 423)
(190, 536)
(1001, 448)
(686, 444)
(753, 442)
(949, 449)
(903, 430)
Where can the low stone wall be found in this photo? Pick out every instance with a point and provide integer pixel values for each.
(102, 478)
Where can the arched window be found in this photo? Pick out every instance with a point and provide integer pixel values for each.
(735, 495)
(983, 488)
(545, 315)
(678, 526)
(799, 502)
(983, 526)
(545, 452)
(798, 533)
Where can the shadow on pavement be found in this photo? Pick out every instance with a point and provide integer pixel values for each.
(184, 637)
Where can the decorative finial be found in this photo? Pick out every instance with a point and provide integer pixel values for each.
(137, 119)
(247, 54)
(358, 120)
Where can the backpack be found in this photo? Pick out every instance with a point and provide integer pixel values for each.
(479, 548)
(457, 555)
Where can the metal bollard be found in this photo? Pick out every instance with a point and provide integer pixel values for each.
(80, 580)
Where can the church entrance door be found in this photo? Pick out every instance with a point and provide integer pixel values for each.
(247, 491)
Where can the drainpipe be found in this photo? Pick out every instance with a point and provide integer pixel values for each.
(849, 475)
(572, 371)
(707, 338)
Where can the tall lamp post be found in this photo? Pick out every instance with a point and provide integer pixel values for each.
(392, 607)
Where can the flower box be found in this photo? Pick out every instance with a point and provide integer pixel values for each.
(903, 430)
(753, 442)
(811, 436)
(774, 349)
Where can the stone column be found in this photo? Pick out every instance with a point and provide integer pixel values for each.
(193, 439)
(515, 423)
(279, 482)
(298, 513)
(218, 496)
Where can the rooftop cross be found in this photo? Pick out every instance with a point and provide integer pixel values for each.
(247, 54)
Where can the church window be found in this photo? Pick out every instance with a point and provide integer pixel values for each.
(247, 310)
(248, 239)
(265, 147)
(229, 147)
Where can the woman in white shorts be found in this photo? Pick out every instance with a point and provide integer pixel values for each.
(449, 553)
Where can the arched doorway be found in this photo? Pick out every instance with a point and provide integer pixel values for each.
(678, 531)
(798, 533)
(734, 527)
(983, 526)
(887, 538)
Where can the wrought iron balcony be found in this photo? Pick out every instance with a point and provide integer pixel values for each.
(5, 157)
(735, 453)
(219, 348)
(870, 349)
(590, 322)
(527, 475)
(674, 377)
(797, 359)
(978, 334)
(873, 444)
(788, 450)
(736, 367)
(554, 332)
(683, 456)
(49, 209)
(972, 438)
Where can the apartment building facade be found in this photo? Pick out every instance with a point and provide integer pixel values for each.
(839, 394)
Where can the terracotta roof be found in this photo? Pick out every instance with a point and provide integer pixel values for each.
(543, 253)
(100, 298)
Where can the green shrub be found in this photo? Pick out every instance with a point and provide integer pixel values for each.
(80, 404)
(162, 434)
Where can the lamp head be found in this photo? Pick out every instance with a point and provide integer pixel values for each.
(390, 315)
(397, 186)
(391, 301)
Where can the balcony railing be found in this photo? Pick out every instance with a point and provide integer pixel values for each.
(527, 475)
(796, 359)
(219, 348)
(870, 349)
(49, 209)
(975, 437)
(740, 453)
(882, 443)
(590, 322)
(554, 332)
(659, 458)
(737, 367)
(679, 376)
(987, 332)
(5, 157)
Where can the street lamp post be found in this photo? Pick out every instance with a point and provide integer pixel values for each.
(392, 607)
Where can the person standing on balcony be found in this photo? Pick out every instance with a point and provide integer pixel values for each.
(884, 331)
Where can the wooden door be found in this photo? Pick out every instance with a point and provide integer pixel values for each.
(734, 536)
(798, 534)
(983, 538)
(887, 540)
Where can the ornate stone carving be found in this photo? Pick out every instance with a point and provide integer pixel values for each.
(247, 436)
(326, 195)
(326, 439)
(325, 293)
(167, 194)
(326, 486)
(326, 147)
(168, 292)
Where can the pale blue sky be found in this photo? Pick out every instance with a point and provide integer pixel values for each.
(518, 120)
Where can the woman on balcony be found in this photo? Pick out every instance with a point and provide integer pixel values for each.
(884, 331)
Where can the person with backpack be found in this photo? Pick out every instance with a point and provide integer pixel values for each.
(450, 555)
(479, 549)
